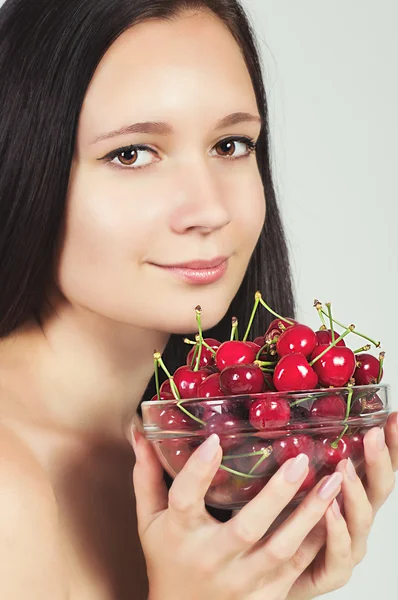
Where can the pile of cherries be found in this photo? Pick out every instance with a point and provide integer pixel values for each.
(268, 399)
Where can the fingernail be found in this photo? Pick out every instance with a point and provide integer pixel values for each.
(350, 469)
(330, 486)
(208, 449)
(336, 509)
(381, 440)
(295, 470)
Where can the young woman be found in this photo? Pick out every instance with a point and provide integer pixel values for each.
(133, 138)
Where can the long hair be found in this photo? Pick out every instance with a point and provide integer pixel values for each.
(49, 52)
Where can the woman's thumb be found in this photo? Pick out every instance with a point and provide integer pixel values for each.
(150, 489)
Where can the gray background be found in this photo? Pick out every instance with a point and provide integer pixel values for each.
(331, 74)
(331, 71)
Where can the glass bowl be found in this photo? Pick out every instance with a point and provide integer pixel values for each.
(259, 432)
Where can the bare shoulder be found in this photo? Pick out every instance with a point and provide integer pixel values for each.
(30, 553)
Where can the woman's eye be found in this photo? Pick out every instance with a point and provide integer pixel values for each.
(232, 147)
(139, 157)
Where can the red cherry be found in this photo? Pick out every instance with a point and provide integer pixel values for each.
(299, 338)
(242, 379)
(163, 396)
(336, 367)
(206, 357)
(331, 456)
(246, 463)
(267, 412)
(357, 445)
(210, 387)
(366, 404)
(176, 452)
(367, 371)
(324, 337)
(225, 425)
(260, 341)
(165, 387)
(253, 345)
(187, 381)
(234, 353)
(244, 489)
(219, 478)
(328, 407)
(171, 417)
(275, 325)
(291, 446)
(293, 373)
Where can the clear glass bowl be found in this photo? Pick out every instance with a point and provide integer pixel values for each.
(259, 432)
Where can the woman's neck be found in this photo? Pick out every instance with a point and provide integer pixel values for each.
(81, 372)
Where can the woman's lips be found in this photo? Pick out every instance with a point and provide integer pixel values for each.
(199, 272)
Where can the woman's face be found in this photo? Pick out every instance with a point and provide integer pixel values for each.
(189, 195)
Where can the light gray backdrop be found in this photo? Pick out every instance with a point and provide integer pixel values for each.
(331, 72)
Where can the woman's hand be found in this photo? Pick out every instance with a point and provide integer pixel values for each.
(346, 538)
(189, 554)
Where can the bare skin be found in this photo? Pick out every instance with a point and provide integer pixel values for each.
(70, 390)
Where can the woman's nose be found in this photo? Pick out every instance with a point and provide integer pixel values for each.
(201, 202)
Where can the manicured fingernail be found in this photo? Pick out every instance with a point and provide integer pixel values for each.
(208, 449)
(381, 440)
(295, 470)
(330, 486)
(336, 509)
(350, 469)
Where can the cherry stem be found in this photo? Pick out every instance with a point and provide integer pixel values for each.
(259, 353)
(234, 330)
(363, 349)
(329, 307)
(238, 472)
(349, 398)
(198, 311)
(231, 456)
(156, 365)
(318, 306)
(266, 453)
(273, 312)
(377, 344)
(381, 361)
(301, 400)
(206, 345)
(194, 355)
(268, 384)
(262, 363)
(189, 342)
(179, 404)
(349, 330)
(337, 440)
(173, 386)
(257, 297)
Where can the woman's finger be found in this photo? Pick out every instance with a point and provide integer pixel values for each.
(358, 511)
(391, 432)
(285, 544)
(380, 479)
(186, 495)
(149, 486)
(250, 524)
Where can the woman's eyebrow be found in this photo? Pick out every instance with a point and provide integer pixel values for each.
(161, 128)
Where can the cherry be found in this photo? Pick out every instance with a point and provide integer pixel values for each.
(269, 412)
(309, 481)
(242, 379)
(367, 404)
(328, 407)
(246, 463)
(176, 452)
(206, 356)
(324, 337)
(187, 381)
(210, 387)
(331, 456)
(357, 445)
(291, 446)
(171, 417)
(293, 373)
(367, 370)
(220, 478)
(245, 489)
(275, 325)
(253, 345)
(234, 353)
(269, 382)
(336, 367)
(260, 341)
(166, 388)
(299, 338)
(225, 425)
(163, 396)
